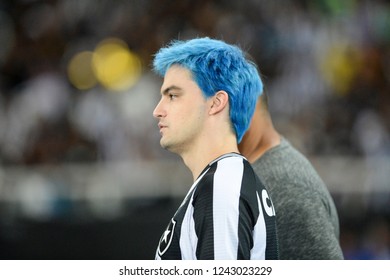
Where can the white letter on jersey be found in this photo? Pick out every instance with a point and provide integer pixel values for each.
(268, 205)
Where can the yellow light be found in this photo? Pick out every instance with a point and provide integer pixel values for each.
(339, 67)
(80, 72)
(115, 66)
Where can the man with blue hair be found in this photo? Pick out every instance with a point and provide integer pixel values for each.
(208, 97)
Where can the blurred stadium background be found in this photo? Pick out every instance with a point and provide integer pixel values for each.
(82, 174)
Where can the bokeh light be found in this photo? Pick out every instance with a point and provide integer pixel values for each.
(115, 66)
(339, 68)
(80, 71)
(112, 65)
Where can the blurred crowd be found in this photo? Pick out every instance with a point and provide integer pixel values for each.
(325, 66)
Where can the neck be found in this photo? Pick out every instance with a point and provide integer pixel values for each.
(260, 137)
(200, 156)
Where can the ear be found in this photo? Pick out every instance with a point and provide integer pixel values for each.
(219, 102)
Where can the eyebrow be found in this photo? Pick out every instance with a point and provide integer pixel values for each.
(168, 89)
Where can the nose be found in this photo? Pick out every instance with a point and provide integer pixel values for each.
(158, 111)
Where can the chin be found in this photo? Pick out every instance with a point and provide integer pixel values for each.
(164, 144)
(169, 147)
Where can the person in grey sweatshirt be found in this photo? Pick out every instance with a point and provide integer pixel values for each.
(306, 217)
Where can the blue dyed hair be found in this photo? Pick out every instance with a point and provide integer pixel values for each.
(216, 65)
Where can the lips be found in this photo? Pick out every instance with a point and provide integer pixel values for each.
(161, 126)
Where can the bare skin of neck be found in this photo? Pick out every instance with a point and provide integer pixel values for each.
(198, 158)
(261, 135)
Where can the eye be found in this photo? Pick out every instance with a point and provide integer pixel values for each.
(172, 96)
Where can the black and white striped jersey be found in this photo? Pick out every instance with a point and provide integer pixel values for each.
(227, 214)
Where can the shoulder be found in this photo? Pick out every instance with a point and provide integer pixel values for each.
(285, 164)
(230, 165)
(228, 174)
(290, 177)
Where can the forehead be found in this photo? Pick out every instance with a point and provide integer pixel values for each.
(178, 76)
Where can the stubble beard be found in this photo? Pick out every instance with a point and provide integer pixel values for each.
(171, 146)
(166, 145)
